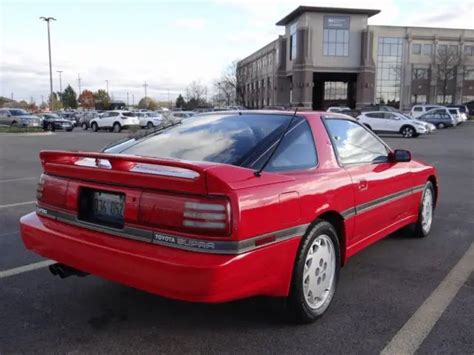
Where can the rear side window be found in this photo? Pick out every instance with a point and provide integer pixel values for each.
(354, 144)
(223, 138)
(113, 114)
(296, 151)
(375, 115)
(129, 114)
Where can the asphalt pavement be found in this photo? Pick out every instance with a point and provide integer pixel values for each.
(380, 290)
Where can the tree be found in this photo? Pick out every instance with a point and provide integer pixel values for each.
(69, 97)
(447, 61)
(87, 100)
(55, 102)
(230, 85)
(180, 101)
(102, 99)
(148, 103)
(196, 96)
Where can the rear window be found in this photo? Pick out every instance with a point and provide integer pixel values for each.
(227, 138)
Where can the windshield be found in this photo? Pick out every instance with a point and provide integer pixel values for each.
(227, 138)
(19, 113)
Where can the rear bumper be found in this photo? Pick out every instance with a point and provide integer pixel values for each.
(165, 271)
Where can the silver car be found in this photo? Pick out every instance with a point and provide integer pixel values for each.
(18, 118)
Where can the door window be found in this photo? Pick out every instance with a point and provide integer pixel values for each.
(354, 144)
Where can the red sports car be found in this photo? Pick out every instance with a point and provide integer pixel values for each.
(229, 205)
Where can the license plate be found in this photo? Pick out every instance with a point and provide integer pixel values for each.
(102, 207)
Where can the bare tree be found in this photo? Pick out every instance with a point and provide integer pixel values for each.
(447, 61)
(231, 84)
(196, 91)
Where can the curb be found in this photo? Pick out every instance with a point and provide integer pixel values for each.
(26, 134)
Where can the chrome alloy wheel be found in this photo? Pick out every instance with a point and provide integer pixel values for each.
(427, 211)
(319, 272)
(408, 132)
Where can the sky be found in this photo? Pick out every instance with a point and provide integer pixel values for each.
(165, 44)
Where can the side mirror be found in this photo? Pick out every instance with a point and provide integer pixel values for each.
(401, 156)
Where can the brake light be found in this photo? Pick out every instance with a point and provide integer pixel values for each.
(196, 215)
(52, 191)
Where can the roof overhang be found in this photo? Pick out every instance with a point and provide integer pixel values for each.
(331, 10)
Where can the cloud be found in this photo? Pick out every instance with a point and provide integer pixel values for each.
(190, 23)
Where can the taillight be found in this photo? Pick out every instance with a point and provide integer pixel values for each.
(39, 188)
(205, 216)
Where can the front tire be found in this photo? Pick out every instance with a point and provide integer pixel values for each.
(408, 132)
(95, 126)
(315, 273)
(50, 127)
(441, 125)
(84, 126)
(149, 125)
(425, 214)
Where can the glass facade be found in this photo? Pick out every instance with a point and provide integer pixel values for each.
(389, 69)
(336, 36)
(293, 42)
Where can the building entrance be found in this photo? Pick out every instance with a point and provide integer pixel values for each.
(334, 89)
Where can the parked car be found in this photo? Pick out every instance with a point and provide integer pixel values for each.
(115, 120)
(440, 117)
(470, 107)
(230, 205)
(52, 122)
(149, 119)
(86, 117)
(418, 110)
(456, 113)
(373, 108)
(70, 116)
(181, 115)
(463, 109)
(18, 118)
(392, 122)
(339, 109)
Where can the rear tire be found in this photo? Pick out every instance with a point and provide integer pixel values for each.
(315, 273)
(116, 127)
(149, 125)
(94, 127)
(50, 127)
(441, 125)
(425, 213)
(84, 126)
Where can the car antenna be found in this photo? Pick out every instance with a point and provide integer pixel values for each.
(259, 171)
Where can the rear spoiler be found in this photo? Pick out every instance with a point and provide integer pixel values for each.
(126, 170)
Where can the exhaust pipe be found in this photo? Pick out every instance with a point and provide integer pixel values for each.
(64, 271)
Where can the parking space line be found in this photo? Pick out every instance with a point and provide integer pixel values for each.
(416, 329)
(25, 268)
(19, 179)
(17, 204)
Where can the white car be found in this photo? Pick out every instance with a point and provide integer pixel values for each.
(338, 109)
(181, 115)
(149, 119)
(115, 120)
(457, 115)
(418, 110)
(392, 122)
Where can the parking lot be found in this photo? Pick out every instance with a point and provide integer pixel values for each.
(380, 289)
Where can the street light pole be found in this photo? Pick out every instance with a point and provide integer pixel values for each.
(60, 80)
(107, 85)
(145, 86)
(48, 19)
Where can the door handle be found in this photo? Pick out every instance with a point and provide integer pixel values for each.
(363, 185)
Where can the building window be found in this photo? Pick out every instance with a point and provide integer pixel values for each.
(293, 41)
(453, 49)
(469, 50)
(388, 72)
(427, 49)
(420, 74)
(442, 49)
(469, 74)
(335, 90)
(336, 36)
(418, 99)
(444, 99)
(416, 48)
